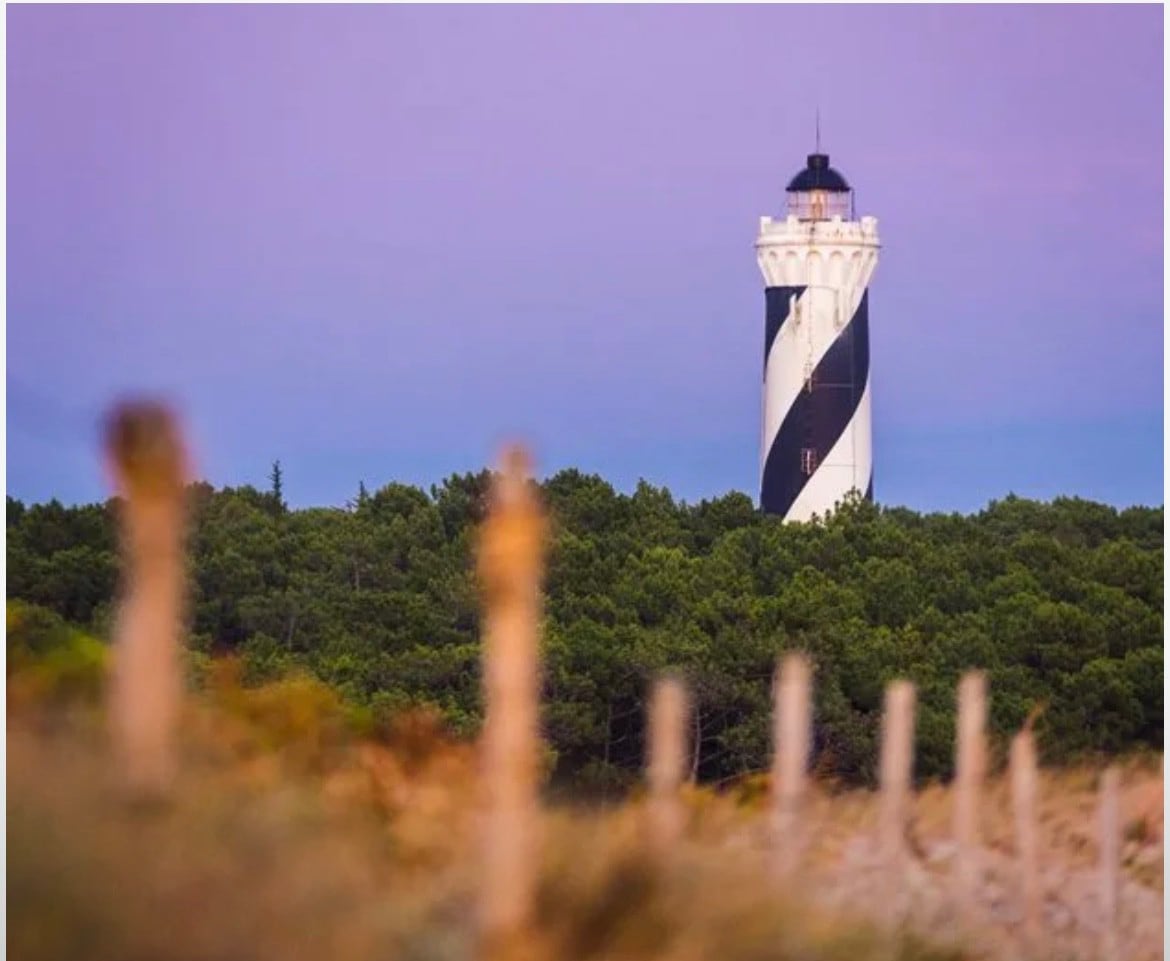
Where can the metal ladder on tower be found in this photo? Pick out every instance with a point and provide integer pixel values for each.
(809, 370)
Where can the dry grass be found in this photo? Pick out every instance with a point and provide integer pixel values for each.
(288, 836)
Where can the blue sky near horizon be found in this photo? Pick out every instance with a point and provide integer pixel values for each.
(373, 242)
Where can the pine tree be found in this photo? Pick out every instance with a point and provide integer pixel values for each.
(276, 478)
(357, 503)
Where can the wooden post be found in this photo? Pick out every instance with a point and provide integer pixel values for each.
(897, 763)
(666, 762)
(510, 566)
(792, 721)
(1022, 761)
(896, 767)
(147, 458)
(1110, 846)
(970, 765)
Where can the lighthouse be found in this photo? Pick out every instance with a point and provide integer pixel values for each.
(817, 261)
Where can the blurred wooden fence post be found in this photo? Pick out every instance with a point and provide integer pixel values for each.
(1023, 782)
(970, 765)
(666, 762)
(145, 451)
(1110, 846)
(510, 566)
(897, 762)
(792, 720)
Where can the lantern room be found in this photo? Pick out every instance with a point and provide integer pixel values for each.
(819, 192)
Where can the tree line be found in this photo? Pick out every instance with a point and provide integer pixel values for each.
(1061, 603)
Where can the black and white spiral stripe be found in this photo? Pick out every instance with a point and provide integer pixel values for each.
(826, 413)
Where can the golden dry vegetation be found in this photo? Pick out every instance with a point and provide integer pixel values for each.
(294, 833)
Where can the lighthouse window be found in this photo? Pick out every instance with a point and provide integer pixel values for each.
(808, 460)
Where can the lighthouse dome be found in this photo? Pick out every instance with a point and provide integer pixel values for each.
(818, 175)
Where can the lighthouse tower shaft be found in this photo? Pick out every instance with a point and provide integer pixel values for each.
(817, 443)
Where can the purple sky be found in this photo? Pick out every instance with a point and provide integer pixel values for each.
(373, 241)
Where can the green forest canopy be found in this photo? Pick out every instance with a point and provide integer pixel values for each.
(1060, 602)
